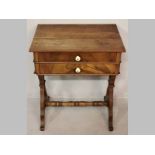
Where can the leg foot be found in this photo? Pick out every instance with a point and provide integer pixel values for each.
(111, 128)
(42, 120)
(42, 128)
(110, 123)
(42, 124)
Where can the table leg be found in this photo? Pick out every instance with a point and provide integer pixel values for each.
(42, 101)
(110, 100)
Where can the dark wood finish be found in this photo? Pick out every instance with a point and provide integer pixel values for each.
(56, 47)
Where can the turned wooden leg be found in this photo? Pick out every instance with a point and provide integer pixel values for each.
(42, 101)
(110, 100)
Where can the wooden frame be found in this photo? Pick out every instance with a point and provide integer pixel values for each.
(56, 49)
(45, 101)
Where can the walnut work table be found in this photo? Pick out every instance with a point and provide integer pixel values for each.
(77, 50)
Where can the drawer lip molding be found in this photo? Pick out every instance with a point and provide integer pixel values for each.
(35, 62)
(60, 74)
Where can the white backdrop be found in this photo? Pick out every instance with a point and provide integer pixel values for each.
(74, 88)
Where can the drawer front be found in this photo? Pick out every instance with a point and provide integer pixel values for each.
(109, 57)
(77, 68)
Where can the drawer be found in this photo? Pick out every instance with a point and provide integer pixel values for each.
(110, 57)
(76, 68)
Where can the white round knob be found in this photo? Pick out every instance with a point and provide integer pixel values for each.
(77, 58)
(77, 70)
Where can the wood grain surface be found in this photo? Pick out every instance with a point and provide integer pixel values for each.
(69, 68)
(80, 38)
(112, 57)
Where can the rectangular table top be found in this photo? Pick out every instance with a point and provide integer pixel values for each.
(77, 38)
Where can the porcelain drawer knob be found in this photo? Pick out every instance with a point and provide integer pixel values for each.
(77, 70)
(77, 58)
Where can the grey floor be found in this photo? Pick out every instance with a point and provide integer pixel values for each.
(78, 120)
